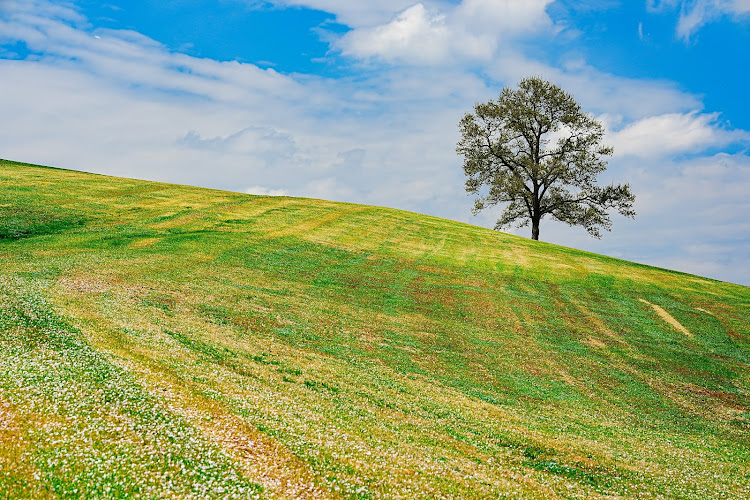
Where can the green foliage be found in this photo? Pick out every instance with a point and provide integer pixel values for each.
(509, 146)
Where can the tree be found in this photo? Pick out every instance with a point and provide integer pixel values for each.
(538, 152)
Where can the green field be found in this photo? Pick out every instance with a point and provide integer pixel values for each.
(164, 341)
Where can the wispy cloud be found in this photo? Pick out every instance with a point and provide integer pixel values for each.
(694, 14)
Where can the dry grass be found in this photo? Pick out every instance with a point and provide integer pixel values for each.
(668, 318)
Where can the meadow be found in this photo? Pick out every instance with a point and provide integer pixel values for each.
(166, 341)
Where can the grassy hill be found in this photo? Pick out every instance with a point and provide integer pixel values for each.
(163, 341)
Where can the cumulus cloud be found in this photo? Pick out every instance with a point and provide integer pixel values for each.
(415, 34)
(672, 134)
(471, 31)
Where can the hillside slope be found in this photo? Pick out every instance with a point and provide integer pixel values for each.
(169, 341)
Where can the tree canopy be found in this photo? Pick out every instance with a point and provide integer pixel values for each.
(536, 151)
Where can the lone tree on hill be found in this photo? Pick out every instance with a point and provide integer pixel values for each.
(538, 152)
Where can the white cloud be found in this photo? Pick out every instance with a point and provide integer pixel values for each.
(415, 33)
(508, 16)
(673, 133)
(264, 191)
(326, 189)
(252, 140)
(44, 8)
(469, 32)
(599, 92)
(694, 14)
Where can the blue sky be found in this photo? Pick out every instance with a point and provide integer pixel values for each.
(359, 101)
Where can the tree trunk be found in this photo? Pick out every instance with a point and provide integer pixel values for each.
(535, 230)
(536, 216)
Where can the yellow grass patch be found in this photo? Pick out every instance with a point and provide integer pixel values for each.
(180, 221)
(597, 323)
(567, 378)
(257, 206)
(145, 242)
(312, 224)
(591, 341)
(84, 284)
(15, 472)
(668, 318)
(7, 422)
